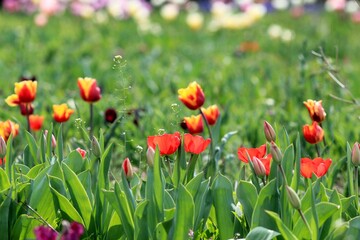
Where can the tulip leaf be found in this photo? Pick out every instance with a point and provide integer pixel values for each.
(4, 180)
(222, 196)
(350, 173)
(159, 186)
(9, 158)
(85, 179)
(203, 203)
(184, 214)
(78, 195)
(247, 195)
(32, 147)
(60, 143)
(267, 200)
(140, 220)
(296, 176)
(194, 184)
(283, 229)
(261, 233)
(354, 228)
(75, 162)
(288, 162)
(67, 209)
(24, 226)
(5, 207)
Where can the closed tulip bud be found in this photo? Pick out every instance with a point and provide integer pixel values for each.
(126, 166)
(259, 167)
(270, 134)
(53, 140)
(150, 153)
(293, 198)
(2, 147)
(95, 146)
(355, 154)
(276, 153)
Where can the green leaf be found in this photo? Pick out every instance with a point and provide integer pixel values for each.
(32, 147)
(159, 186)
(60, 143)
(4, 213)
(184, 215)
(129, 196)
(283, 229)
(67, 209)
(4, 180)
(203, 202)
(288, 162)
(267, 200)
(78, 195)
(9, 158)
(261, 233)
(194, 184)
(247, 195)
(85, 179)
(350, 168)
(296, 176)
(140, 221)
(354, 228)
(34, 171)
(222, 197)
(24, 227)
(75, 162)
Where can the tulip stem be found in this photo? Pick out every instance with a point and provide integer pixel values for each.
(305, 221)
(208, 128)
(283, 174)
(317, 150)
(356, 173)
(27, 117)
(91, 120)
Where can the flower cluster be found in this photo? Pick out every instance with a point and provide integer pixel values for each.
(314, 133)
(72, 231)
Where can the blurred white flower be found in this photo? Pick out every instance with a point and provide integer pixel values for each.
(195, 20)
(280, 4)
(351, 7)
(256, 11)
(169, 11)
(274, 31)
(287, 35)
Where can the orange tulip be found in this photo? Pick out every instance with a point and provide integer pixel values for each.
(313, 133)
(36, 122)
(62, 113)
(316, 110)
(195, 144)
(318, 166)
(89, 91)
(193, 96)
(259, 152)
(194, 124)
(7, 128)
(211, 114)
(167, 143)
(26, 91)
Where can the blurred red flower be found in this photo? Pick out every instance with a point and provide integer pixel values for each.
(313, 133)
(167, 143)
(7, 128)
(89, 91)
(195, 144)
(318, 166)
(36, 122)
(211, 114)
(259, 152)
(193, 96)
(194, 124)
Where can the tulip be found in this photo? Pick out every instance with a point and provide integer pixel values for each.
(259, 152)
(7, 128)
(193, 96)
(126, 166)
(317, 166)
(36, 122)
(316, 110)
(2, 148)
(45, 233)
(110, 115)
(259, 167)
(89, 91)
(269, 131)
(150, 154)
(26, 91)
(211, 114)
(276, 153)
(62, 113)
(355, 154)
(82, 152)
(195, 144)
(53, 140)
(167, 143)
(313, 133)
(194, 124)
(95, 146)
(293, 198)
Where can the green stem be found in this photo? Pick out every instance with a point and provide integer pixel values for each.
(210, 168)
(317, 150)
(167, 162)
(313, 207)
(191, 167)
(208, 128)
(283, 174)
(356, 173)
(27, 117)
(91, 121)
(305, 221)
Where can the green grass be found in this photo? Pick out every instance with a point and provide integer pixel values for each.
(157, 65)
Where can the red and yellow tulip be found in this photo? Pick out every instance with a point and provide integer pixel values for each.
(89, 90)
(316, 110)
(194, 124)
(62, 113)
(7, 128)
(193, 96)
(211, 114)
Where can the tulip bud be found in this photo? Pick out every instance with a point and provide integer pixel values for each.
(276, 153)
(355, 154)
(259, 167)
(82, 152)
(150, 154)
(293, 198)
(95, 146)
(2, 147)
(53, 140)
(270, 134)
(126, 166)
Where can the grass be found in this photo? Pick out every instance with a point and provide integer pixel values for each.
(157, 65)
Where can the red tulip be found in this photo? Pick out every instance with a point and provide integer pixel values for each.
(313, 133)
(316, 110)
(253, 152)
(211, 113)
(194, 124)
(82, 152)
(7, 128)
(36, 122)
(318, 166)
(89, 91)
(195, 144)
(62, 113)
(126, 166)
(193, 96)
(167, 143)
